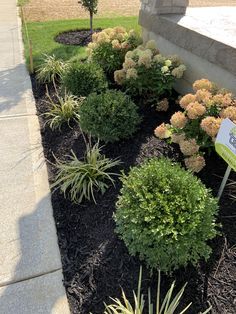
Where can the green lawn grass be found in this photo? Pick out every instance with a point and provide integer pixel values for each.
(42, 35)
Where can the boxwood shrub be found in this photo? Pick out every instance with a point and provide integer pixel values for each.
(165, 215)
(81, 79)
(109, 116)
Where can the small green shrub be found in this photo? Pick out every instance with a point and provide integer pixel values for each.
(64, 111)
(165, 215)
(80, 179)
(51, 70)
(168, 306)
(81, 79)
(110, 116)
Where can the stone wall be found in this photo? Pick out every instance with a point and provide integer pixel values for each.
(42, 10)
(164, 6)
(179, 6)
(203, 37)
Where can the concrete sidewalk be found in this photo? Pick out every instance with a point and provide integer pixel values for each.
(30, 264)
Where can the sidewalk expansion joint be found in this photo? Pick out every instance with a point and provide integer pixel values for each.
(18, 115)
(29, 278)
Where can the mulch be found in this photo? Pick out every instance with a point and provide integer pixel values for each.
(96, 263)
(76, 37)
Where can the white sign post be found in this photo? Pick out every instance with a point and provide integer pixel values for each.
(226, 147)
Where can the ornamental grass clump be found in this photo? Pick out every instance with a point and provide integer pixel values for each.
(108, 48)
(195, 127)
(110, 116)
(63, 111)
(165, 215)
(147, 73)
(81, 79)
(51, 70)
(168, 306)
(80, 179)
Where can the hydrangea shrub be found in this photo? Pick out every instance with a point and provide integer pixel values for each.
(147, 73)
(195, 127)
(165, 215)
(108, 48)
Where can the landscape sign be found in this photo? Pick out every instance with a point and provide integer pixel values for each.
(225, 144)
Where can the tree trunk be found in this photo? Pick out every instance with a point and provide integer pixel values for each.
(91, 21)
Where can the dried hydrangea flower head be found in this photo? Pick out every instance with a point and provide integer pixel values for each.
(145, 58)
(131, 74)
(211, 125)
(229, 112)
(195, 110)
(178, 120)
(119, 76)
(195, 163)
(186, 100)
(176, 61)
(159, 58)
(177, 137)
(179, 71)
(189, 147)
(162, 131)
(151, 44)
(223, 100)
(203, 84)
(203, 95)
(162, 105)
(129, 63)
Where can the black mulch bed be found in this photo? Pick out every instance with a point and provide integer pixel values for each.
(96, 264)
(77, 37)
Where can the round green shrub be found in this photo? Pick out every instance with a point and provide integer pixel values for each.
(109, 116)
(165, 215)
(81, 79)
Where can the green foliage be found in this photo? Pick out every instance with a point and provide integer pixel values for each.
(168, 306)
(165, 215)
(21, 3)
(43, 36)
(110, 116)
(51, 69)
(108, 58)
(80, 179)
(64, 111)
(90, 5)
(148, 74)
(81, 79)
(150, 83)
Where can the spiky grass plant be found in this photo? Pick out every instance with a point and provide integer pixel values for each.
(80, 179)
(51, 69)
(63, 111)
(168, 306)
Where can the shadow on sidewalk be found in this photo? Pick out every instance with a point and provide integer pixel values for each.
(14, 83)
(43, 294)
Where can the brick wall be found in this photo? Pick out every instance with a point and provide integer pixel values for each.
(41, 10)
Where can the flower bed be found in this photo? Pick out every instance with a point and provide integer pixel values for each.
(96, 262)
